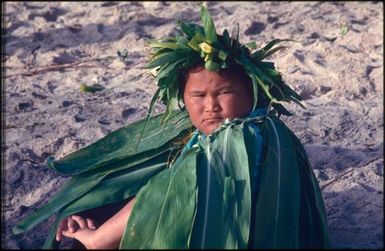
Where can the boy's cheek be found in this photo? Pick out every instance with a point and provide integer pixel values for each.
(194, 119)
(194, 111)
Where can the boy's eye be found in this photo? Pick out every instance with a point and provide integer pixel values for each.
(227, 92)
(198, 95)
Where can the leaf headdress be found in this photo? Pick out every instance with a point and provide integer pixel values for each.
(171, 57)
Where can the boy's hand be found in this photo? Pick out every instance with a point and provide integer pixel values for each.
(106, 236)
(69, 225)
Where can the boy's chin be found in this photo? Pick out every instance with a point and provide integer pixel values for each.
(210, 127)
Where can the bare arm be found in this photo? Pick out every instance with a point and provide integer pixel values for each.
(107, 235)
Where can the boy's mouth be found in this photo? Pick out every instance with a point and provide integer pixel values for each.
(212, 120)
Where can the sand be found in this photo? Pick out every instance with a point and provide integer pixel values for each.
(51, 48)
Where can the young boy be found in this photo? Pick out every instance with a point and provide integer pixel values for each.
(241, 181)
(210, 98)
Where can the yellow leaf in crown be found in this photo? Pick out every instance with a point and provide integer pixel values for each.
(206, 47)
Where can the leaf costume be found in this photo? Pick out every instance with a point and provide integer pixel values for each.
(249, 184)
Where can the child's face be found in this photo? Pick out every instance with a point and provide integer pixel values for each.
(211, 97)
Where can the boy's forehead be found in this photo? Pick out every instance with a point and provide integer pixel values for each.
(209, 86)
(203, 74)
(206, 78)
(195, 68)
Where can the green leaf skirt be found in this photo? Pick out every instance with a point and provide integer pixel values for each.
(247, 185)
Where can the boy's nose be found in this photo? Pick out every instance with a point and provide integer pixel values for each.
(211, 104)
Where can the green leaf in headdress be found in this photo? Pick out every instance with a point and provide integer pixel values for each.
(190, 29)
(190, 32)
(223, 55)
(195, 41)
(251, 45)
(226, 39)
(211, 65)
(169, 57)
(172, 96)
(272, 51)
(168, 45)
(182, 41)
(265, 51)
(208, 24)
(235, 38)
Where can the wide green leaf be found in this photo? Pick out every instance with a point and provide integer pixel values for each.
(116, 186)
(311, 192)
(278, 203)
(164, 209)
(76, 187)
(224, 188)
(210, 227)
(236, 162)
(122, 143)
(91, 168)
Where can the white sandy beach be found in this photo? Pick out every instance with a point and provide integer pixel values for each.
(51, 48)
